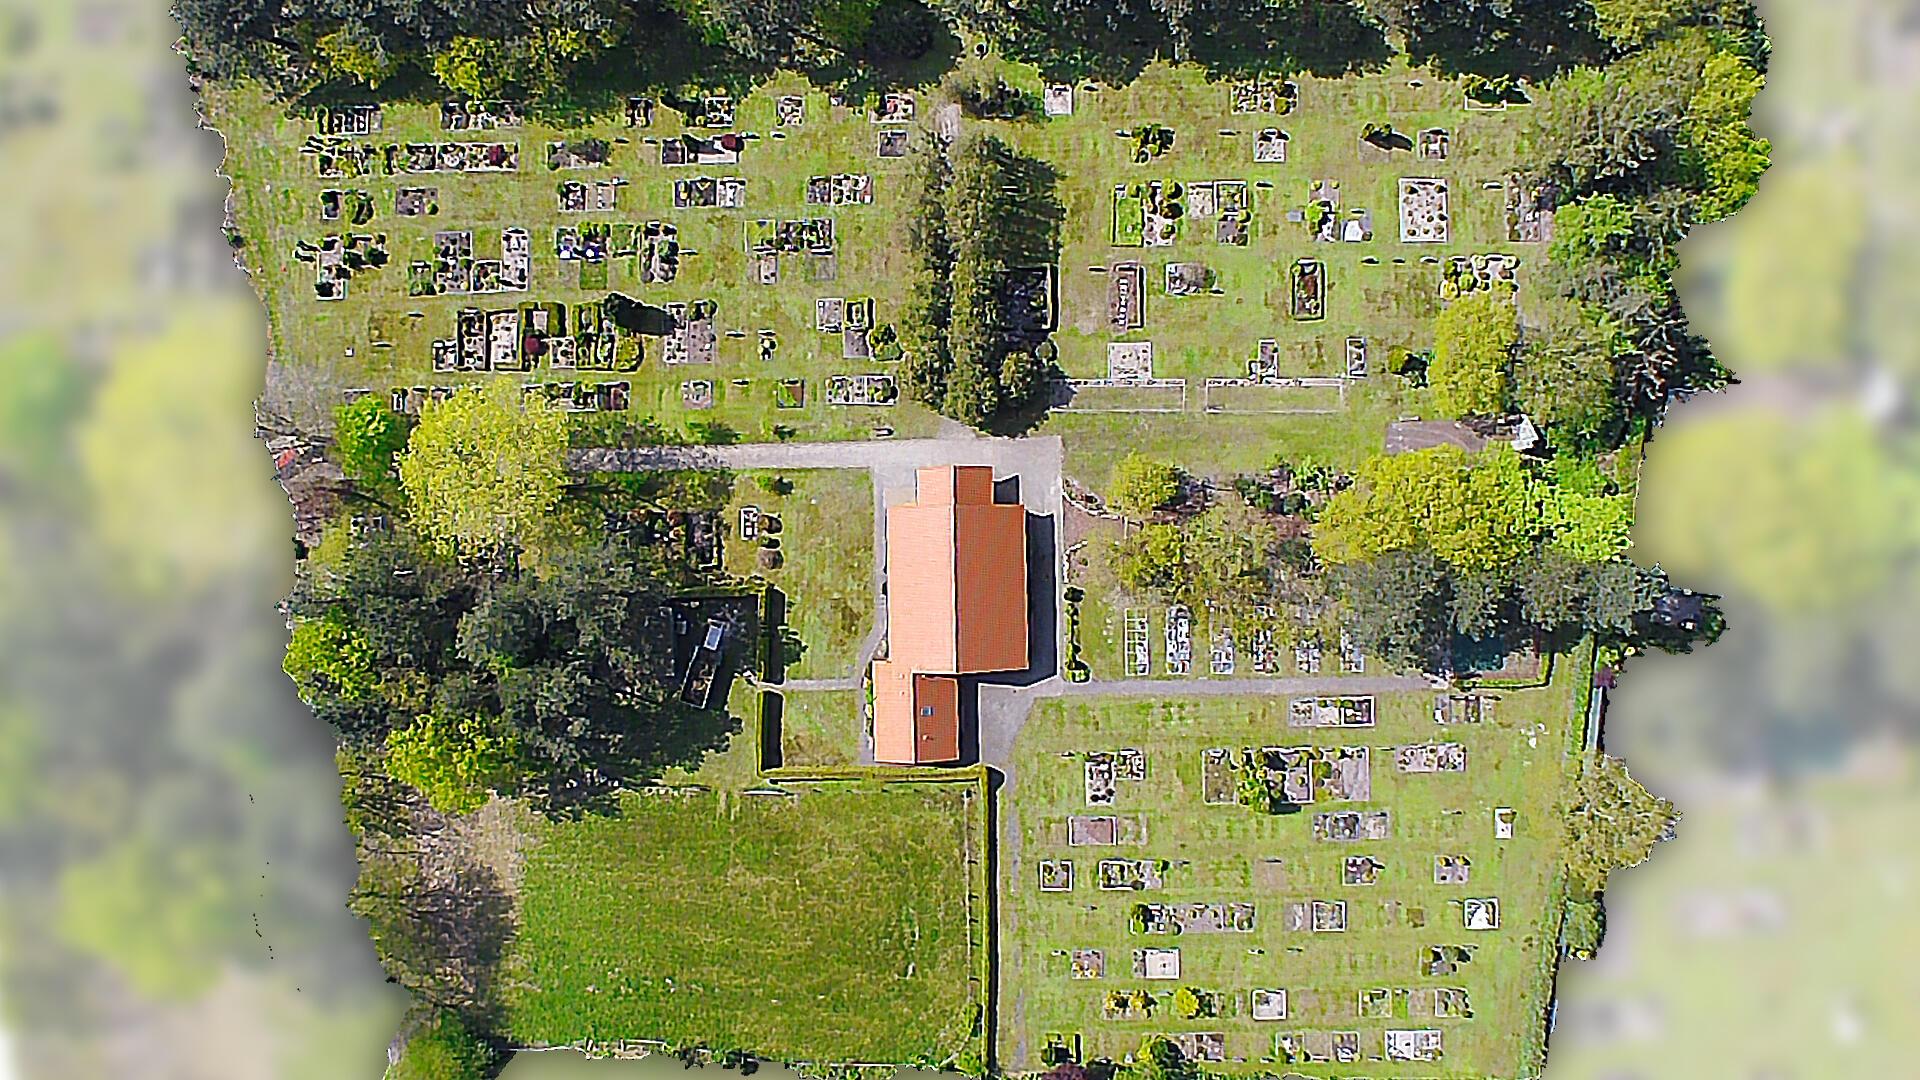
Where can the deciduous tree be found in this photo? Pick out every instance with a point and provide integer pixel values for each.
(1474, 338)
(484, 470)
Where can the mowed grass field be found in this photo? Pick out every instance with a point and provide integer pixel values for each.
(826, 560)
(830, 925)
(1223, 852)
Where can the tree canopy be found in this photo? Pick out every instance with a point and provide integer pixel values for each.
(1474, 338)
(1612, 822)
(1474, 511)
(484, 470)
(1141, 485)
(367, 435)
(454, 763)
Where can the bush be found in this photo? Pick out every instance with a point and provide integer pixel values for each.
(1585, 926)
(445, 1048)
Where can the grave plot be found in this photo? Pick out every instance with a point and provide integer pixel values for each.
(1056, 875)
(1057, 99)
(1435, 143)
(1350, 826)
(416, 202)
(710, 192)
(1423, 210)
(579, 197)
(1131, 875)
(1466, 274)
(348, 120)
(893, 144)
(1207, 1046)
(1188, 279)
(1126, 300)
(689, 149)
(1307, 290)
(639, 112)
(1263, 96)
(1351, 660)
(894, 108)
(1179, 640)
(1156, 964)
(1138, 659)
(589, 153)
(1361, 870)
(1433, 757)
(1423, 1044)
(1270, 146)
(1219, 784)
(1331, 712)
(840, 189)
(1452, 870)
(692, 338)
(1481, 914)
(873, 389)
(1529, 212)
(352, 205)
(1089, 964)
(1269, 1005)
(1306, 657)
(336, 259)
(790, 110)
(480, 115)
(1221, 657)
(1451, 709)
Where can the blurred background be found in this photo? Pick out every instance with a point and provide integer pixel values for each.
(172, 865)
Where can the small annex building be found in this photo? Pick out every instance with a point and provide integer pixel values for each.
(956, 605)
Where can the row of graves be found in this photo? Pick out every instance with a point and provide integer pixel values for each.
(454, 270)
(1149, 213)
(589, 196)
(1286, 775)
(766, 240)
(1112, 875)
(351, 204)
(517, 339)
(615, 396)
(1105, 771)
(480, 115)
(1224, 655)
(1327, 221)
(653, 248)
(337, 158)
(336, 259)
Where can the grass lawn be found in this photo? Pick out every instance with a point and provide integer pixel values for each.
(822, 727)
(845, 934)
(826, 569)
(1221, 853)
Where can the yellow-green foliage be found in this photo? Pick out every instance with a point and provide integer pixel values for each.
(455, 764)
(1474, 511)
(1473, 342)
(484, 470)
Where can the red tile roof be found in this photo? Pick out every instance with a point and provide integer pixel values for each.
(956, 605)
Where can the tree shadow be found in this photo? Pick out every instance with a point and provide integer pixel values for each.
(1528, 39)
